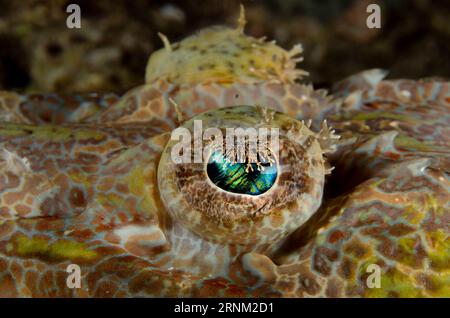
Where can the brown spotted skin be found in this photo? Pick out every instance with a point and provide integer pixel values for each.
(87, 181)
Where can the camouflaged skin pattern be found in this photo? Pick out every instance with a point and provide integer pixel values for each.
(81, 181)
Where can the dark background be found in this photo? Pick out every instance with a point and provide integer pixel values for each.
(109, 53)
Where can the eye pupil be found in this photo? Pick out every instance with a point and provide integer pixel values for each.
(237, 179)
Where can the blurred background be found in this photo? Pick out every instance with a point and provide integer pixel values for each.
(109, 53)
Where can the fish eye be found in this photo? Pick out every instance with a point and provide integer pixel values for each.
(230, 198)
(244, 178)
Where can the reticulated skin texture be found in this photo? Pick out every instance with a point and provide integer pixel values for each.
(90, 180)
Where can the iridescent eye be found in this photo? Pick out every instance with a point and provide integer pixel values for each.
(234, 202)
(238, 178)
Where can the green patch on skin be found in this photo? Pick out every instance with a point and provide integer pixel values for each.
(148, 206)
(363, 267)
(140, 186)
(415, 212)
(110, 199)
(440, 285)
(407, 251)
(137, 181)
(81, 178)
(12, 130)
(88, 134)
(402, 141)
(52, 133)
(376, 115)
(440, 250)
(49, 132)
(395, 283)
(363, 217)
(321, 239)
(413, 215)
(59, 250)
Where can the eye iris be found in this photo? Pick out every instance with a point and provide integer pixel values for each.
(234, 177)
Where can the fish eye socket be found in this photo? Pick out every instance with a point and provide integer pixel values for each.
(237, 203)
(243, 178)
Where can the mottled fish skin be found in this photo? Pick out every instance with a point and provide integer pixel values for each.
(86, 180)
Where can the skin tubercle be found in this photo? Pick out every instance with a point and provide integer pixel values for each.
(223, 55)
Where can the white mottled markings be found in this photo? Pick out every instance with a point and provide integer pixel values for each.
(15, 164)
(149, 236)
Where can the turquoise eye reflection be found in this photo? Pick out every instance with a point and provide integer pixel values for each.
(233, 177)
